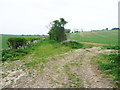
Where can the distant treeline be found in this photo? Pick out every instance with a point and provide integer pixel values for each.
(34, 35)
(106, 29)
(115, 29)
(78, 31)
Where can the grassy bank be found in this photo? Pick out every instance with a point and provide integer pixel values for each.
(42, 49)
(109, 64)
(49, 48)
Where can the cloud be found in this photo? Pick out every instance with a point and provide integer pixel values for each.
(32, 16)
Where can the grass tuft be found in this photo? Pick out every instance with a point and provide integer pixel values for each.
(72, 44)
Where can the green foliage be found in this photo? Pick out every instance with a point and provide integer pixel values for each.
(57, 30)
(4, 39)
(72, 44)
(67, 30)
(105, 37)
(41, 49)
(33, 64)
(48, 48)
(13, 54)
(111, 65)
(16, 42)
(17, 54)
(112, 47)
(73, 78)
(88, 46)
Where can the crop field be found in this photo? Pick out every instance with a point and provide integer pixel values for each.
(4, 38)
(104, 37)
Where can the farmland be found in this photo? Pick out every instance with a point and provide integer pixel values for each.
(104, 37)
(69, 64)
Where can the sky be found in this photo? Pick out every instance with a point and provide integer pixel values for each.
(33, 16)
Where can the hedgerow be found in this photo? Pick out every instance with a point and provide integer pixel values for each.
(19, 47)
(18, 42)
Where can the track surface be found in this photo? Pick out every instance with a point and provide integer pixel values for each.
(71, 69)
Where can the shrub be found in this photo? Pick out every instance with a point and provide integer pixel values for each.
(16, 42)
(73, 44)
(15, 52)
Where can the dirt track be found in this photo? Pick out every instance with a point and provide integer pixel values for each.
(71, 69)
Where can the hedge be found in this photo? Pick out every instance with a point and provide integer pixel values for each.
(18, 42)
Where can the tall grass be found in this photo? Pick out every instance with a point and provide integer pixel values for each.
(110, 64)
(48, 48)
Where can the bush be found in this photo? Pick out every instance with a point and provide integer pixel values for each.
(73, 44)
(16, 42)
(16, 52)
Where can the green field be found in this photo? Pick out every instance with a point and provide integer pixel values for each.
(63, 59)
(4, 38)
(104, 37)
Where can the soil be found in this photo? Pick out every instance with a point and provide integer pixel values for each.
(71, 69)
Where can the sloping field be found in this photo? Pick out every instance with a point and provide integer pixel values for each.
(104, 37)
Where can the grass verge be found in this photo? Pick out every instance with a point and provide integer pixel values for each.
(110, 65)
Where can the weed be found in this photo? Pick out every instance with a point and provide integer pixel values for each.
(41, 67)
(12, 80)
(73, 78)
(6, 80)
(4, 75)
(88, 50)
(74, 64)
(31, 64)
(110, 65)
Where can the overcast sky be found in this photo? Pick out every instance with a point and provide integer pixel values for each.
(32, 16)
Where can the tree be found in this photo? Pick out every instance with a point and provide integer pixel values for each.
(67, 30)
(106, 28)
(57, 30)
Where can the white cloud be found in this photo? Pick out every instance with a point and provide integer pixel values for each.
(31, 16)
